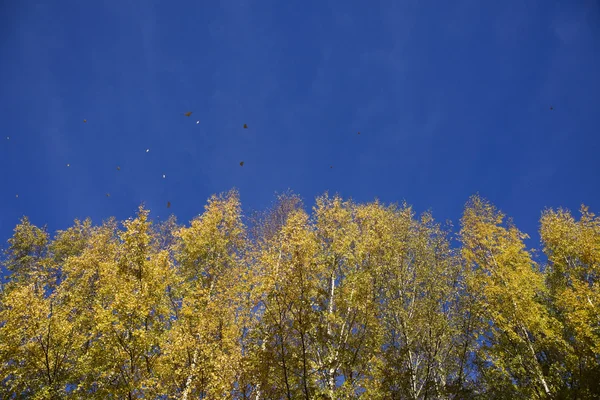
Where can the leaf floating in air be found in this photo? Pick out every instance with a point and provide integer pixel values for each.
(241, 163)
(187, 114)
(245, 126)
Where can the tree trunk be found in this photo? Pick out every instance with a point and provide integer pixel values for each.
(188, 382)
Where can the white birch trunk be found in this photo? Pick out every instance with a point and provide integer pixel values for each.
(188, 382)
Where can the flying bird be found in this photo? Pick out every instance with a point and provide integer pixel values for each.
(552, 108)
(245, 126)
(187, 114)
(168, 204)
(359, 133)
(331, 166)
(118, 168)
(241, 163)
(107, 194)
(85, 120)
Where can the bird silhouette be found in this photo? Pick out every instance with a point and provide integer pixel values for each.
(245, 126)
(168, 204)
(241, 163)
(187, 114)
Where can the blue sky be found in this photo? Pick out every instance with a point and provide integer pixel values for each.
(451, 98)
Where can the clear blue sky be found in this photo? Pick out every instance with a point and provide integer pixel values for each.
(451, 98)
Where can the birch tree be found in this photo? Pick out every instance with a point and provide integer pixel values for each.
(348, 301)
(346, 312)
(203, 346)
(520, 329)
(38, 336)
(573, 251)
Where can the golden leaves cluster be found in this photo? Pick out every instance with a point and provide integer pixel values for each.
(350, 300)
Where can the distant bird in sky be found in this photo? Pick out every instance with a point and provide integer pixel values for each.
(107, 194)
(118, 168)
(552, 108)
(187, 114)
(168, 204)
(245, 126)
(359, 133)
(85, 120)
(241, 163)
(331, 166)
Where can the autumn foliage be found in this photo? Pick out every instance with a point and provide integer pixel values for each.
(349, 301)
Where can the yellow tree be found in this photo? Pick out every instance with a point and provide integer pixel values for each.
(415, 277)
(203, 347)
(283, 350)
(266, 351)
(345, 317)
(573, 251)
(27, 255)
(511, 288)
(117, 290)
(355, 300)
(316, 306)
(38, 338)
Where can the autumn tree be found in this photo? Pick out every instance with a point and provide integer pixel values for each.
(573, 251)
(38, 336)
(203, 348)
(415, 279)
(346, 313)
(518, 328)
(347, 301)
